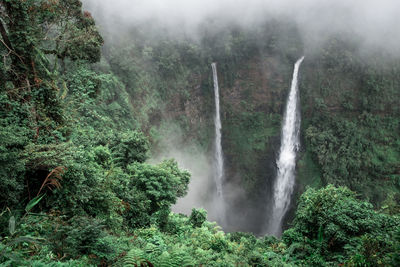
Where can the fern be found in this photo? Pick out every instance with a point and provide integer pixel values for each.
(139, 258)
(136, 258)
(181, 258)
(173, 259)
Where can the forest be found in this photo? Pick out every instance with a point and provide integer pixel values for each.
(107, 143)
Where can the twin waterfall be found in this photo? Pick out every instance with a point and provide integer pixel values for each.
(286, 163)
(219, 161)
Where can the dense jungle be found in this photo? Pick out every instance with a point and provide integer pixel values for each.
(107, 142)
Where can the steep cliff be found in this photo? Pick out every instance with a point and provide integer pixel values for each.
(349, 108)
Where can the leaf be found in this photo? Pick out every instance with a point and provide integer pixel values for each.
(11, 225)
(15, 241)
(65, 90)
(33, 203)
(26, 239)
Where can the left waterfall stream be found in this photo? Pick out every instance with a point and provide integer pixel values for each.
(218, 156)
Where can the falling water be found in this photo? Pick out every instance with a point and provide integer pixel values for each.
(219, 161)
(286, 163)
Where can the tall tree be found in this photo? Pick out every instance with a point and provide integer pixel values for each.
(36, 34)
(35, 37)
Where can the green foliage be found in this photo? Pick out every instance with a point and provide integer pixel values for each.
(136, 257)
(80, 236)
(99, 99)
(198, 217)
(349, 101)
(31, 112)
(161, 184)
(83, 188)
(356, 152)
(34, 201)
(332, 225)
(109, 207)
(15, 135)
(12, 168)
(131, 147)
(255, 142)
(396, 254)
(194, 246)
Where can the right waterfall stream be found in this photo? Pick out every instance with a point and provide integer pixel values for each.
(219, 158)
(286, 163)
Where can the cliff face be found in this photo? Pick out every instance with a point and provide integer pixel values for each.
(349, 105)
(350, 116)
(252, 108)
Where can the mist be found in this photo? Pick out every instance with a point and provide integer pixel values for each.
(374, 23)
(197, 162)
(201, 191)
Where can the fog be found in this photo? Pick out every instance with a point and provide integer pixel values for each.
(192, 158)
(374, 22)
(202, 192)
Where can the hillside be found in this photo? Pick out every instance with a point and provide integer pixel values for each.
(104, 135)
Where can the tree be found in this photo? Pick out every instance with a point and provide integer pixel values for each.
(34, 36)
(162, 185)
(332, 225)
(129, 148)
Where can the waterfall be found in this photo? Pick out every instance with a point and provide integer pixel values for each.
(219, 161)
(286, 162)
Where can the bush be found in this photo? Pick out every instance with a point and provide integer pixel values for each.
(130, 148)
(330, 222)
(198, 217)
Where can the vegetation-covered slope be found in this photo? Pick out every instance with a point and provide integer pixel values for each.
(75, 188)
(351, 127)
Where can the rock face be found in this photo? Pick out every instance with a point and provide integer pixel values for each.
(252, 101)
(252, 109)
(252, 97)
(333, 99)
(343, 97)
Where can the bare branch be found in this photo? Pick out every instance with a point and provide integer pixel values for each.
(4, 35)
(53, 51)
(6, 42)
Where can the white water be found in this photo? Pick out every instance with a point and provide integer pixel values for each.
(219, 161)
(286, 163)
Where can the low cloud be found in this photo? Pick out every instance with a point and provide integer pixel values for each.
(375, 23)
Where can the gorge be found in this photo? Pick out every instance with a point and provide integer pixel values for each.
(167, 133)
